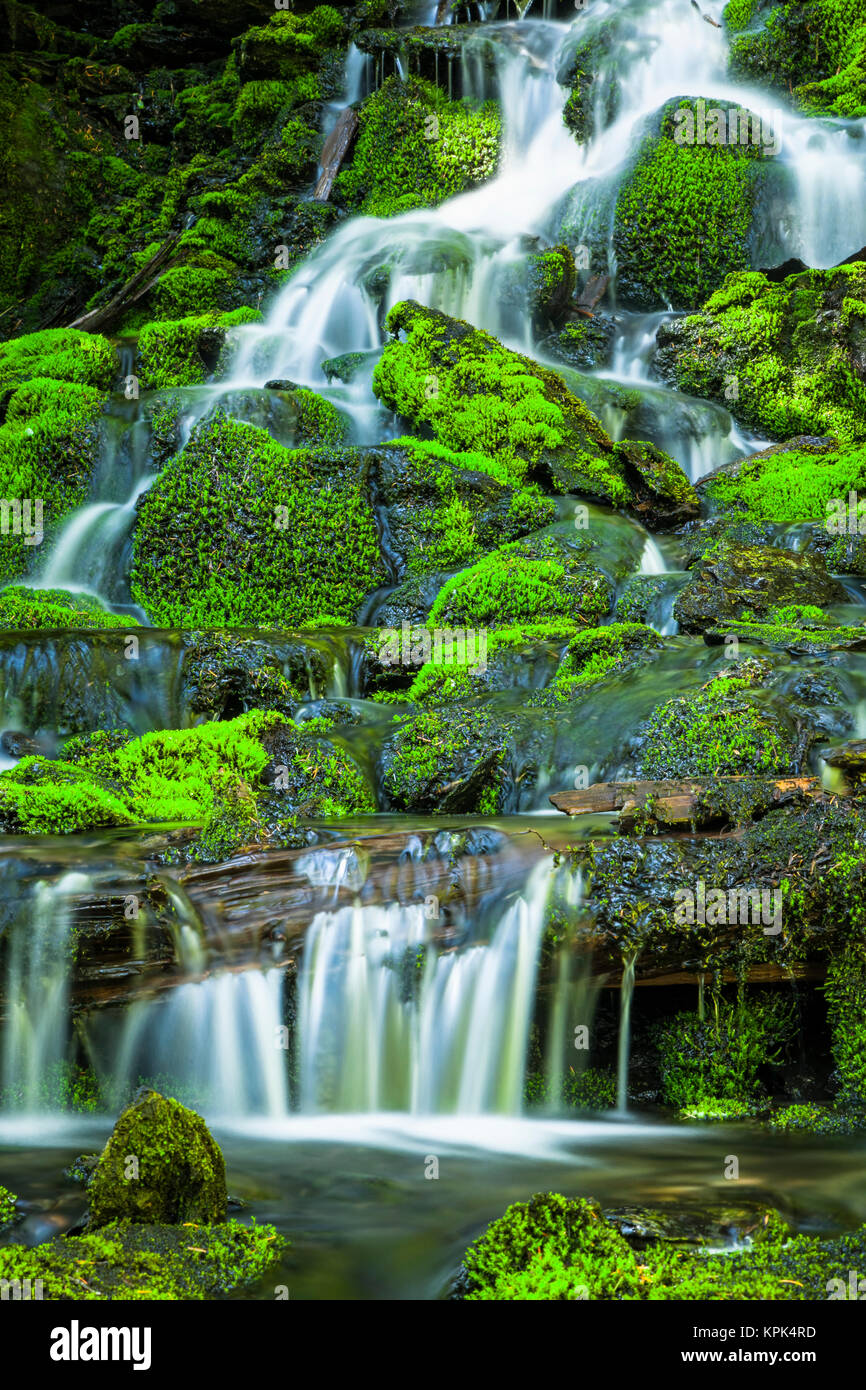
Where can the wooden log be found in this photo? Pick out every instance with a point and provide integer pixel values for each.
(336, 147)
(677, 805)
(135, 288)
(591, 294)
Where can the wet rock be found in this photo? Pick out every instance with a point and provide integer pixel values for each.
(733, 581)
(160, 1165)
(584, 344)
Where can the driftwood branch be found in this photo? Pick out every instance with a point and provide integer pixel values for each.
(336, 147)
(676, 805)
(135, 288)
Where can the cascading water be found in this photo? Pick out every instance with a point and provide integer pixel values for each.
(388, 1023)
(34, 1039)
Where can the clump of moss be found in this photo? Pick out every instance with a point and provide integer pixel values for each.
(447, 761)
(161, 1165)
(463, 674)
(238, 531)
(798, 486)
(25, 609)
(597, 653)
(718, 1059)
(7, 1206)
(815, 47)
(845, 991)
(725, 729)
(58, 354)
(684, 215)
(815, 1119)
(135, 1262)
(523, 582)
(184, 352)
(415, 148)
(782, 357)
(478, 397)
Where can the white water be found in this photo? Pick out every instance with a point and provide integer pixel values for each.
(379, 1033)
(34, 1038)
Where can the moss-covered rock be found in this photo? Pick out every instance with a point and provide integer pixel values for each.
(524, 582)
(685, 214)
(815, 48)
(415, 148)
(732, 582)
(25, 609)
(238, 531)
(185, 351)
(476, 396)
(447, 761)
(786, 358)
(181, 776)
(160, 1166)
(720, 1057)
(129, 1261)
(598, 653)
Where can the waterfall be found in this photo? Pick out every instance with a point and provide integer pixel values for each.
(38, 948)
(221, 1042)
(624, 1044)
(387, 1022)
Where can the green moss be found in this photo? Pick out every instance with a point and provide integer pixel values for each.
(462, 679)
(239, 531)
(160, 1166)
(792, 486)
(170, 351)
(553, 1248)
(703, 1061)
(683, 216)
(792, 349)
(7, 1206)
(815, 1119)
(441, 754)
(598, 653)
(721, 730)
(23, 609)
(205, 774)
(58, 354)
(476, 396)
(845, 991)
(415, 148)
(132, 1262)
(815, 47)
(523, 582)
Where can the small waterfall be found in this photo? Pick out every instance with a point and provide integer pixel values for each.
(35, 1036)
(388, 1023)
(624, 1044)
(652, 561)
(221, 1041)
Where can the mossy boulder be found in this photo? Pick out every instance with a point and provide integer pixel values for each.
(524, 582)
(732, 582)
(442, 509)
(815, 49)
(599, 652)
(160, 1166)
(129, 1261)
(721, 1057)
(473, 395)
(27, 609)
(186, 351)
(805, 479)
(238, 531)
(452, 760)
(787, 358)
(522, 656)
(731, 727)
(686, 214)
(58, 354)
(416, 148)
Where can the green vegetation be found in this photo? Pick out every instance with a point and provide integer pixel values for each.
(791, 350)
(238, 531)
(795, 485)
(845, 990)
(190, 776)
(446, 761)
(415, 148)
(725, 729)
(554, 1248)
(684, 214)
(523, 582)
(815, 47)
(599, 652)
(184, 352)
(705, 1062)
(22, 609)
(7, 1206)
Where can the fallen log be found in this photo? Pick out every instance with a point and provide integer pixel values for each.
(336, 147)
(135, 288)
(698, 803)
